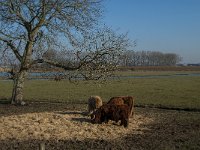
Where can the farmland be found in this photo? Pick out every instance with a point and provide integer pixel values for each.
(164, 90)
(56, 113)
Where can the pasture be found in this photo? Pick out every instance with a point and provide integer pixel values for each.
(174, 92)
(56, 114)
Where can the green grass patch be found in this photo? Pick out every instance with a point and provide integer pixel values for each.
(181, 92)
(154, 73)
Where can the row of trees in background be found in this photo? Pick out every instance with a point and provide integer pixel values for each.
(125, 58)
(148, 58)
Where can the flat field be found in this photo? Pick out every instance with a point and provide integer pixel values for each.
(149, 88)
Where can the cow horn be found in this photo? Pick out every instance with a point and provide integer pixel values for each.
(92, 116)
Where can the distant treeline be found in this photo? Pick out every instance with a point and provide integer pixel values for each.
(160, 68)
(148, 58)
(128, 58)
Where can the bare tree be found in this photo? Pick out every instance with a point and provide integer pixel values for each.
(149, 58)
(29, 28)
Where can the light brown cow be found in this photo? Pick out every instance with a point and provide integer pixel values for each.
(94, 102)
(120, 100)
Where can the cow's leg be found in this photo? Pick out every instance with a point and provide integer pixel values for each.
(105, 119)
(132, 113)
(126, 122)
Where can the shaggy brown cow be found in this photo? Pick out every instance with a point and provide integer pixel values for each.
(94, 102)
(120, 100)
(112, 112)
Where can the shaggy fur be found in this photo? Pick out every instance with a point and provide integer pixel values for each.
(94, 102)
(120, 100)
(112, 112)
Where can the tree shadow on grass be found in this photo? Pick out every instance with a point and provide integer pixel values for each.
(81, 119)
(84, 113)
(52, 144)
(7, 109)
(5, 101)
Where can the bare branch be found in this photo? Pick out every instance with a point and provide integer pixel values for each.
(14, 49)
(56, 64)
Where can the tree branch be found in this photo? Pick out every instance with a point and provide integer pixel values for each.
(13, 48)
(56, 64)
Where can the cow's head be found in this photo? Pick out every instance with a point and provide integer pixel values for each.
(96, 116)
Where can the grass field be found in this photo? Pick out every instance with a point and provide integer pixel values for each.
(181, 92)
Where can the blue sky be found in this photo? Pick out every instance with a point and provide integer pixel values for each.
(158, 25)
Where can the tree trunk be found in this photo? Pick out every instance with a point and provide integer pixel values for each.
(18, 85)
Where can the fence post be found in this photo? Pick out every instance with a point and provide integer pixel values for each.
(42, 146)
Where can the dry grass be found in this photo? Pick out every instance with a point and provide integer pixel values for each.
(66, 126)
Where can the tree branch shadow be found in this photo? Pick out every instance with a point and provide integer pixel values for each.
(83, 113)
(7, 109)
(82, 120)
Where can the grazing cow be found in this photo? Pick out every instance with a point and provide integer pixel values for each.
(112, 112)
(94, 102)
(120, 100)
(57, 78)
